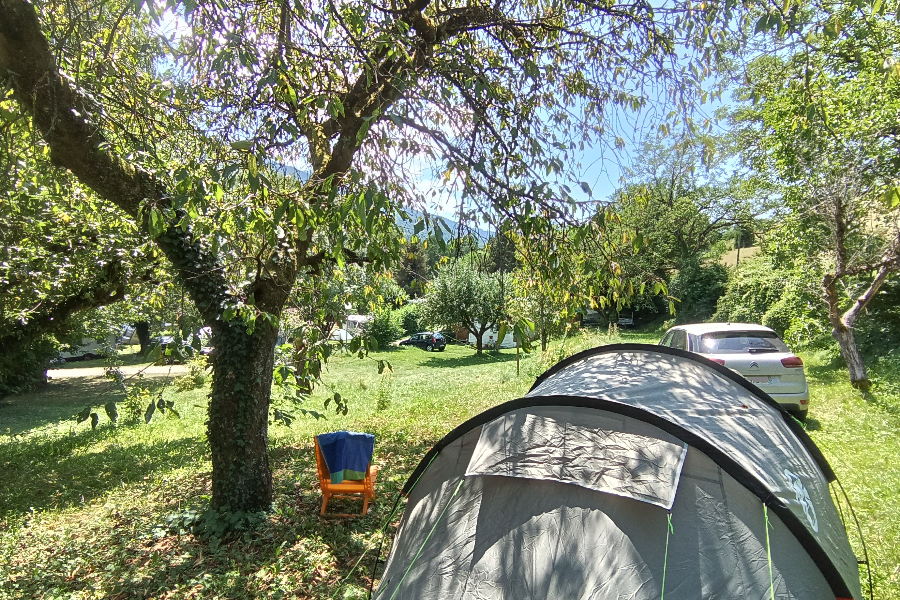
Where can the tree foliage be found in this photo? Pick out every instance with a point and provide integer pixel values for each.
(184, 116)
(821, 122)
(462, 295)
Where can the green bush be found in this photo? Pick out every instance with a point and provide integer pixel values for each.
(753, 287)
(698, 286)
(410, 316)
(195, 377)
(386, 327)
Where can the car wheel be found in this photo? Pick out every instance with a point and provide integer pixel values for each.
(800, 415)
(429, 348)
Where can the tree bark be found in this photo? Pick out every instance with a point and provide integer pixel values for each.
(842, 324)
(859, 378)
(142, 330)
(238, 416)
(479, 344)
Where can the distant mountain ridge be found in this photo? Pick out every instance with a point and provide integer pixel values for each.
(407, 226)
(415, 215)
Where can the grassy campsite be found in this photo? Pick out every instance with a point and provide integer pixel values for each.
(240, 240)
(104, 513)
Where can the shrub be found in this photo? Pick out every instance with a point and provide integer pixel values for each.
(195, 377)
(386, 327)
(410, 318)
(699, 287)
(27, 366)
(752, 288)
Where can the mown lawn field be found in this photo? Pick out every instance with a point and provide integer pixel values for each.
(99, 513)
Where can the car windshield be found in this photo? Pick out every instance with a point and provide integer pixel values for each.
(736, 342)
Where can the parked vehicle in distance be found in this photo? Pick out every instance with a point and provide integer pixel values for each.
(427, 340)
(91, 349)
(176, 351)
(753, 351)
(626, 320)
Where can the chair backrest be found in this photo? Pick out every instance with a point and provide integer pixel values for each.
(321, 466)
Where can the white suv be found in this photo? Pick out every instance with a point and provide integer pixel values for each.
(754, 351)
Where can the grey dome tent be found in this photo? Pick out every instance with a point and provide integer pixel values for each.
(628, 471)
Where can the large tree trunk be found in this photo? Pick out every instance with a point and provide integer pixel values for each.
(238, 416)
(142, 330)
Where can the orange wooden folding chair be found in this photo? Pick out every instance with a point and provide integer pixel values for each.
(347, 488)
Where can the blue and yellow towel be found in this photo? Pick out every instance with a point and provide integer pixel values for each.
(347, 453)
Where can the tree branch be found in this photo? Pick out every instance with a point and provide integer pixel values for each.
(62, 116)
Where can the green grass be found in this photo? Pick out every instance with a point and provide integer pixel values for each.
(84, 514)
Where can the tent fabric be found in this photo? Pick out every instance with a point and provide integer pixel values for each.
(725, 415)
(507, 538)
(487, 519)
(546, 448)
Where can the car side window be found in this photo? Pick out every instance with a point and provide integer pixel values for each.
(693, 343)
(679, 339)
(667, 339)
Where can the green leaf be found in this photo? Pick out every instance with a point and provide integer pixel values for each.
(157, 224)
(83, 415)
(585, 188)
(95, 419)
(112, 411)
(155, 354)
(170, 405)
(279, 212)
(148, 414)
(242, 145)
(8, 115)
(501, 335)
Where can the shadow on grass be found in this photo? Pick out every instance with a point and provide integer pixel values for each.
(59, 400)
(833, 371)
(60, 471)
(486, 358)
(882, 402)
(812, 424)
(294, 553)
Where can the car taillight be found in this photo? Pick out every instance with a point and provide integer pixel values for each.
(718, 361)
(792, 361)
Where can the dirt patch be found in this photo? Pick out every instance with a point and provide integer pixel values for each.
(151, 371)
